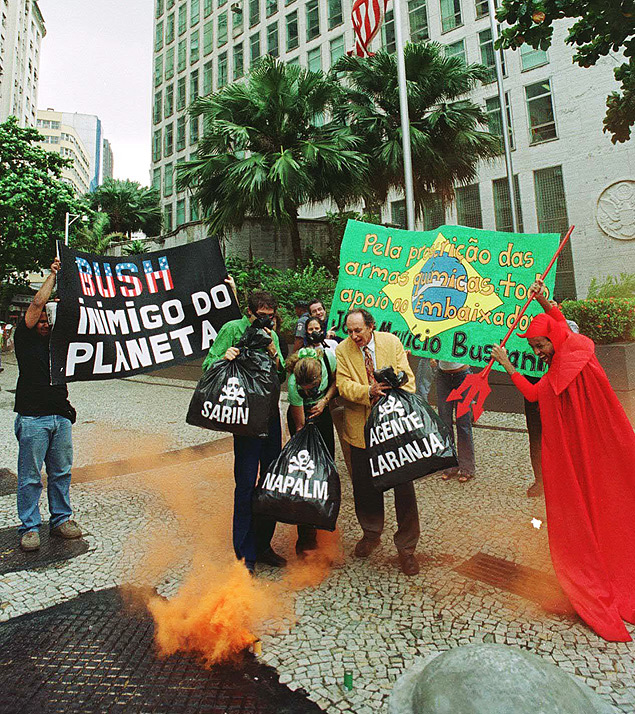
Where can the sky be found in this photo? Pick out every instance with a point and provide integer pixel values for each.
(96, 58)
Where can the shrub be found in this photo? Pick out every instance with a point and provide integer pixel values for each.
(612, 287)
(603, 320)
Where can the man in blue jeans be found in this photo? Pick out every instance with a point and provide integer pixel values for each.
(42, 427)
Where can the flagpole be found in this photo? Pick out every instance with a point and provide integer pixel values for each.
(504, 123)
(405, 118)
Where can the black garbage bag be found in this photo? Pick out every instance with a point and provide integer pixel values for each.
(405, 437)
(238, 395)
(301, 486)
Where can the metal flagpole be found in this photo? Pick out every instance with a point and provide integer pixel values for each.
(503, 106)
(405, 118)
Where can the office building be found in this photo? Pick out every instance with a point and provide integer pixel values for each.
(108, 161)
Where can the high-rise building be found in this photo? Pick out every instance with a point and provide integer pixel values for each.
(64, 140)
(88, 126)
(566, 169)
(21, 34)
(108, 161)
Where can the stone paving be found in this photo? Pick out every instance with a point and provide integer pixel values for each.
(365, 616)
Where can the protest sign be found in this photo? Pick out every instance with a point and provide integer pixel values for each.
(119, 316)
(450, 293)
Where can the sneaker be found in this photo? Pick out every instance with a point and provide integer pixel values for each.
(30, 540)
(68, 530)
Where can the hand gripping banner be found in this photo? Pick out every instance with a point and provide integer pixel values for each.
(119, 316)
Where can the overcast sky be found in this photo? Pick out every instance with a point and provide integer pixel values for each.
(96, 59)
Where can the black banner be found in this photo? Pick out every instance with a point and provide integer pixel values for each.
(119, 316)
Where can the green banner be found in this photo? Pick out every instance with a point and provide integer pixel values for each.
(449, 293)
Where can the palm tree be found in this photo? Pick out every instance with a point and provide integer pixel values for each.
(446, 141)
(266, 150)
(94, 237)
(130, 206)
(135, 247)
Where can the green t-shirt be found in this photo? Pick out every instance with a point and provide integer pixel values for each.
(294, 396)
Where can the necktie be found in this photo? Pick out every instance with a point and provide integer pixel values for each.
(370, 367)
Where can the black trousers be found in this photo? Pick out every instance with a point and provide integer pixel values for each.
(369, 505)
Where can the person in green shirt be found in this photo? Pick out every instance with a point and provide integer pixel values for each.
(252, 536)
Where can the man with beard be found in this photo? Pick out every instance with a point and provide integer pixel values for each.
(43, 427)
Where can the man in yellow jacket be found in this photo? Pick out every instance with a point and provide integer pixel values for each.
(362, 352)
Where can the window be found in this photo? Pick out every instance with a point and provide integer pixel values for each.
(239, 61)
(482, 8)
(468, 206)
(194, 130)
(450, 14)
(237, 21)
(208, 6)
(388, 32)
(222, 29)
(158, 37)
(418, 15)
(272, 40)
(158, 70)
(180, 133)
(169, 100)
(398, 213)
(169, 63)
(194, 47)
(337, 48)
(193, 85)
(167, 216)
(293, 61)
(180, 212)
(314, 59)
(494, 119)
(168, 144)
(194, 210)
(488, 58)
(503, 206)
(456, 49)
(530, 58)
(221, 3)
(254, 12)
(156, 179)
(159, 9)
(208, 78)
(156, 145)
(271, 7)
(181, 91)
(254, 48)
(312, 20)
(551, 211)
(208, 37)
(292, 31)
(181, 62)
(158, 108)
(182, 18)
(222, 70)
(433, 213)
(542, 124)
(169, 29)
(335, 13)
(170, 4)
(195, 12)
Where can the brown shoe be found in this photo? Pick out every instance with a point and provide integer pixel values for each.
(365, 547)
(68, 530)
(408, 564)
(30, 540)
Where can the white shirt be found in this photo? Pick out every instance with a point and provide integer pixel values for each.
(371, 347)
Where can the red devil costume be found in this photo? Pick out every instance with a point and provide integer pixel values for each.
(588, 463)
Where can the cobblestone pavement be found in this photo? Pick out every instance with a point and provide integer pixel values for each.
(366, 616)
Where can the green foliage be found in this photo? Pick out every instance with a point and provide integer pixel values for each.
(129, 206)
(135, 247)
(249, 276)
(600, 27)
(33, 201)
(603, 320)
(93, 237)
(612, 287)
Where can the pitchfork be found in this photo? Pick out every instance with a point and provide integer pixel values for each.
(475, 387)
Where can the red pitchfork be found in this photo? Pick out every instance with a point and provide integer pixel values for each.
(475, 387)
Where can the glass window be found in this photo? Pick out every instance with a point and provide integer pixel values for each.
(170, 4)
(168, 144)
(208, 37)
(180, 133)
(194, 210)
(158, 37)
(314, 59)
(503, 205)
(456, 49)
(181, 62)
(337, 48)
(167, 215)
(292, 31)
(194, 47)
(208, 78)
(193, 85)
(221, 3)
(488, 57)
(254, 48)
(398, 213)
(530, 58)
(271, 6)
(194, 121)
(159, 8)
(180, 212)
(388, 32)
(222, 70)
(335, 13)
(156, 145)
(312, 20)
(237, 21)
(181, 90)
(222, 29)
(169, 100)
(450, 14)
(156, 178)
(293, 61)
(494, 120)
(195, 12)
(158, 107)
(468, 206)
(169, 29)
(542, 123)
(272, 40)
(482, 9)
(254, 12)
(208, 6)
(169, 63)
(182, 18)
(418, 15)
(433, 213)
(239, 61)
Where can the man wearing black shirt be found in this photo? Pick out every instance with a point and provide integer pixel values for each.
(42, 426)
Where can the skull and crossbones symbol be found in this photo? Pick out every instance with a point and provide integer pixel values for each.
(233, 392)
(390, 406)
(303, 463)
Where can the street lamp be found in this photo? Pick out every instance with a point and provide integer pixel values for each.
(70, 219)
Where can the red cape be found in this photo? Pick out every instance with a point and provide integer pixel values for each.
(588, 463)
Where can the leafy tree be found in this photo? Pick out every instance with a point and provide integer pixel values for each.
(93, 238)
(265, 151)
(601, 27)
(130, 206)
(33, 201)
(446, 141)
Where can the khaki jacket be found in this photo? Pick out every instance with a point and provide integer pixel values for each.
(352, 380)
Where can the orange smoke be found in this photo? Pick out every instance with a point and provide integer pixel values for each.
(311, 570)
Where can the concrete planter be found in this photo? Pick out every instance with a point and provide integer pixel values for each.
(618, 361)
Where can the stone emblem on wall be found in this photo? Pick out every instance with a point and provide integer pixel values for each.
(616, 210)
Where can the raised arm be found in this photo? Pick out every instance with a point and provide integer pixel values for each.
(524, 386)
(42, 296)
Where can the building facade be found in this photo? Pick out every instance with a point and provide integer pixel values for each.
(21, 32)
(566, 169)
(108, 161)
